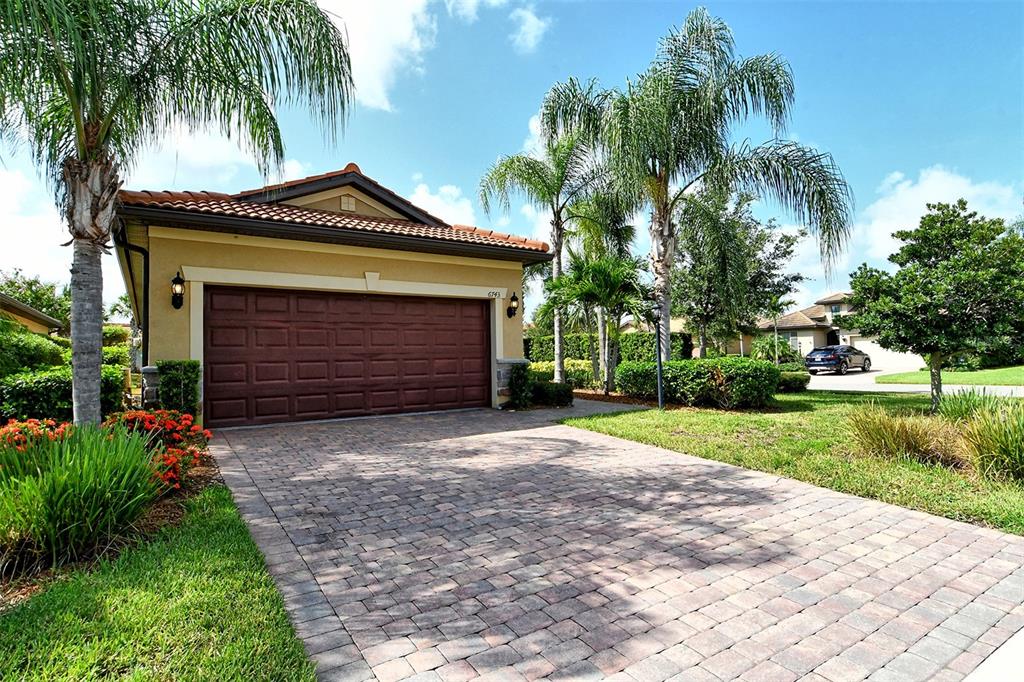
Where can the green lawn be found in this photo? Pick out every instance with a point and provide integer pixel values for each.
(194, 604)
(806, 437)
(1004, 376)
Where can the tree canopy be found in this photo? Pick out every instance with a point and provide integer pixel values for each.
(959, 283)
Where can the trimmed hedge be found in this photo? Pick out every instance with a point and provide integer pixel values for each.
(721, 382)
(633, 347)
(179, 385)
(793, 382)
(22, 350)
(520, 388)
(117, 356)
(47, 394)
(639, 346)
(578, 373)
(115, 335)
(551, 394)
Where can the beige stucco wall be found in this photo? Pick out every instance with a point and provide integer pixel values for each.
(32, 325)
(308, 265)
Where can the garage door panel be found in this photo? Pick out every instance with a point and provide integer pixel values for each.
(274, 355)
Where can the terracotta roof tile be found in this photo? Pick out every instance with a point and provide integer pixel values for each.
(230, 206)
(808, 318)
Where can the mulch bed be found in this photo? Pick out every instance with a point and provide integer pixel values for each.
(168, 511)
(587, 394)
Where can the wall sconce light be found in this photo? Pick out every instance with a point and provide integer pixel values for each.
(513, 305)
(178, 291)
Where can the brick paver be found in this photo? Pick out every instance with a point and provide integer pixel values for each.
(496, 545)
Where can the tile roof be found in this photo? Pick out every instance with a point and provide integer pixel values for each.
(837, 297)
(808, 318)
(234, 206)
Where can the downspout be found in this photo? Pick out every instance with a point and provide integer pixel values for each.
(121, 240)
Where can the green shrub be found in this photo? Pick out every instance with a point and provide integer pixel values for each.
(46, 394)
(179, 385)
(994, 440)
(22, 350)
(117, 356)
(793, 382)
(924, 439)
(63, 498)
(519, 387)
(578, 373)
(62, 341)
(639, 346)
(114, 335)
(723, 382)
(964, 405)
(551, 394)
(574, 346)
(792, 366)
(763, 348)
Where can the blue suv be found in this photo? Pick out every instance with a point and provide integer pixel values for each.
(838, 359)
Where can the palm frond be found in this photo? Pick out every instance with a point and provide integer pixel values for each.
(519, 173)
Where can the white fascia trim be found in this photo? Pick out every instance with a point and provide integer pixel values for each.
(370, 282)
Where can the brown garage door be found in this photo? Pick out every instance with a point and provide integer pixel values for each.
(274, 355)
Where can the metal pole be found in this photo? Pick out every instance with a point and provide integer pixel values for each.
(661, 394)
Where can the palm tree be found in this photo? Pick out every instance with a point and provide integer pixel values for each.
(564, 175)
(668, 132)
(600, 228)
(88, 85)
(776, 308)
(612, 284)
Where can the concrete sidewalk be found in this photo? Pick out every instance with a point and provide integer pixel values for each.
(865, 383)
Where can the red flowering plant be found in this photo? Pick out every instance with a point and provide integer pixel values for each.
(179, 441)
(22, 434)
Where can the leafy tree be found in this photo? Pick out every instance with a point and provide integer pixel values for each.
(730, 266)
(960, 282)
(47, 297)
(564, 175)
(88, 85)
(668, 131)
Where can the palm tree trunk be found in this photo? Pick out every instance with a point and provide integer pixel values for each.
(663, 248)
(91, 193)
(775, 326)
(935, 373)
(602, 342)
(556, 270)
(702, 351)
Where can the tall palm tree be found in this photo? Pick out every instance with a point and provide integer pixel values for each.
(88, 85)
(564, 175)
(610, 283)
(669, 131)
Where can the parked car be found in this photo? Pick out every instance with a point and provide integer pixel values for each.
(839, 359)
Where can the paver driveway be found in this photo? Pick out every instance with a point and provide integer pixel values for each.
(449, 546)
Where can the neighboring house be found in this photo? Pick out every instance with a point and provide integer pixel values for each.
(324, 297)
(738, 346)
(817, 326)
(35, 320)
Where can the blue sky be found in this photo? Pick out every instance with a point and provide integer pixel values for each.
(917, 101)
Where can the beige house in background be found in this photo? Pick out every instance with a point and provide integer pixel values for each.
(816, 326)
(324, 297)
(35, 320)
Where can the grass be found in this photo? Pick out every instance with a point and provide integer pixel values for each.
(1004, 376)
(196, 603)
(806, 436)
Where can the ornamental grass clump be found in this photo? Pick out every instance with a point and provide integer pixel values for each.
(878, 432)
(994, 439)
(66, 491)
(964, 405)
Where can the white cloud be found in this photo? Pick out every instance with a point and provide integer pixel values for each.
(533, 145)
(530, 29)
(385, 39)
(901, 203)
(190, 160)
(539, 221)
(448, 203)
(467, 9)
(32, 231)
(293, 169)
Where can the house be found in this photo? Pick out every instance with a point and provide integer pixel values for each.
(328, 296)
(24, 314)
(816, 326)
